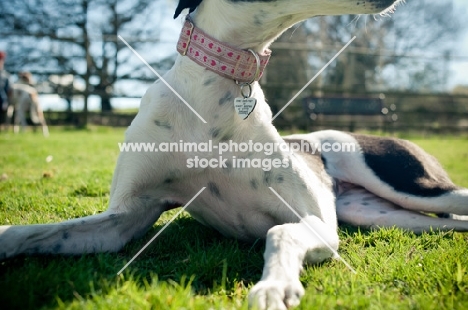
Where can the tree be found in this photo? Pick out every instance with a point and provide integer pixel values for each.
(383, 46)
(388, 52)
(286, 72)
(79, 37)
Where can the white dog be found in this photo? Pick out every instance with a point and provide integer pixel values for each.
(25, 101)
(383, 182)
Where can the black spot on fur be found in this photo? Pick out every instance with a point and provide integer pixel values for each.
(164, 125)
(56, 248)
(214, 190)
(254, 184)
(267, 177)
(226, 137)
(258, 20)
(214, 132)
(365, 203)
(347, 203)
(280, 178)
(383, 212)
(65, 235)
(226, 98)
(209, 81)
(172, 176)
(145, 198)
(371, 198)
(404, 166)
(115, 219)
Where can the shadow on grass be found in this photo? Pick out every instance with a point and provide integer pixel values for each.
(184, 250)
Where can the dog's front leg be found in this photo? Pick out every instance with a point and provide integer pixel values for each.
(104, 232)
(288, 246)
(135, 205)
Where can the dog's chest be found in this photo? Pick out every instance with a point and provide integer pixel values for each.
(233, 210)
(220, 156)
(239, 201)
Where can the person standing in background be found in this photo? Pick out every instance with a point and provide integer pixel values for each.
(5, 91)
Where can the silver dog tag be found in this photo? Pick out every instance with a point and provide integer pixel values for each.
(244, 106)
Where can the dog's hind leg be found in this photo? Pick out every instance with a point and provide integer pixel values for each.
(287, 247)
(105, 232)
(359, 207)
(396, 170)
(19, 121)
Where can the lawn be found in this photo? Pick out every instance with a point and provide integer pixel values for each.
(190, 266)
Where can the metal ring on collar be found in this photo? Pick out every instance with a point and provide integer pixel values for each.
(257, 60)
(257, 72)
(242, 90)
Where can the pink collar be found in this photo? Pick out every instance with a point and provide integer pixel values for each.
(225, 60)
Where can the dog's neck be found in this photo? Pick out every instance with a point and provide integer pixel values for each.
(254, 29)
(244, 25)
(243, 66)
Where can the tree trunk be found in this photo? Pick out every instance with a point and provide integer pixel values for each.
(105, 103)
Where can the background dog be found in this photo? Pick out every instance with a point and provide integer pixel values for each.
(25, 104)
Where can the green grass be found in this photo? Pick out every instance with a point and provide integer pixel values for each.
(192, 267)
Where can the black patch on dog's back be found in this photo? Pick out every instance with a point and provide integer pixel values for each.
(404, 166)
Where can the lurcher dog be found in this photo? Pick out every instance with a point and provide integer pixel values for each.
(25, 101)
(223, 47)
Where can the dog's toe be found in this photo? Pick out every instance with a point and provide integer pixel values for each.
(275, 295)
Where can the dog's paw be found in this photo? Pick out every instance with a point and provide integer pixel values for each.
(276, 295)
